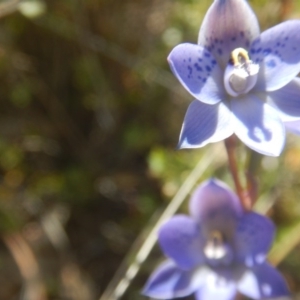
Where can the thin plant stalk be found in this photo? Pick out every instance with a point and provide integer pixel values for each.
(230, 144)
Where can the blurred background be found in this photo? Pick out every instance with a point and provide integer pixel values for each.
(89, 122)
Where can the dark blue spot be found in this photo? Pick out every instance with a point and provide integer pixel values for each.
(190, 59)
(278, 44)
(242, 33)
(209, 48)
(220, 51)
(199, 77)
(286, 38)
(252, 51)
(213, 62)
(200, 59)
(267, 51)
(258, 50)
(206, 54)
(190, 70)
(216, 41)
(198, 68)
(221, 41)
(204, 80)
(247, 44)
(233, 39)
(208, 68)
(271, 63)
(283, 46)
(295, 48)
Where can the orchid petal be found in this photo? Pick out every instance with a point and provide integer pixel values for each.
(228, 25)
(168, 282)
(263, 281)
(180, 240)
(216, 207)
(198, 72)
(217, 288)
(293, 126)
(205, 124)
(248, 285)
(254, 236)
(278, 52)
(258, 125)
(287, 101)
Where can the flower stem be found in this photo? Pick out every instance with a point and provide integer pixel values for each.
(230, 144)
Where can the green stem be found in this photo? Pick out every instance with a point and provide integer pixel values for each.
(254, 164)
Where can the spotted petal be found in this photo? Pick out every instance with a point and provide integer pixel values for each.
(228, 24)
(258, 125)
(263, 281)
(169, 282)
(254, 236)
(287, 101)
(204, 123)
(217, 288)
(216, 207)
(278, 52)
(198, 72)
(180, 240)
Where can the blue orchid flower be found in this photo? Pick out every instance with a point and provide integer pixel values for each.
(244, 82)
(216, 252)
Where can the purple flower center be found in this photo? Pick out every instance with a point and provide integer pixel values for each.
(216, 250)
